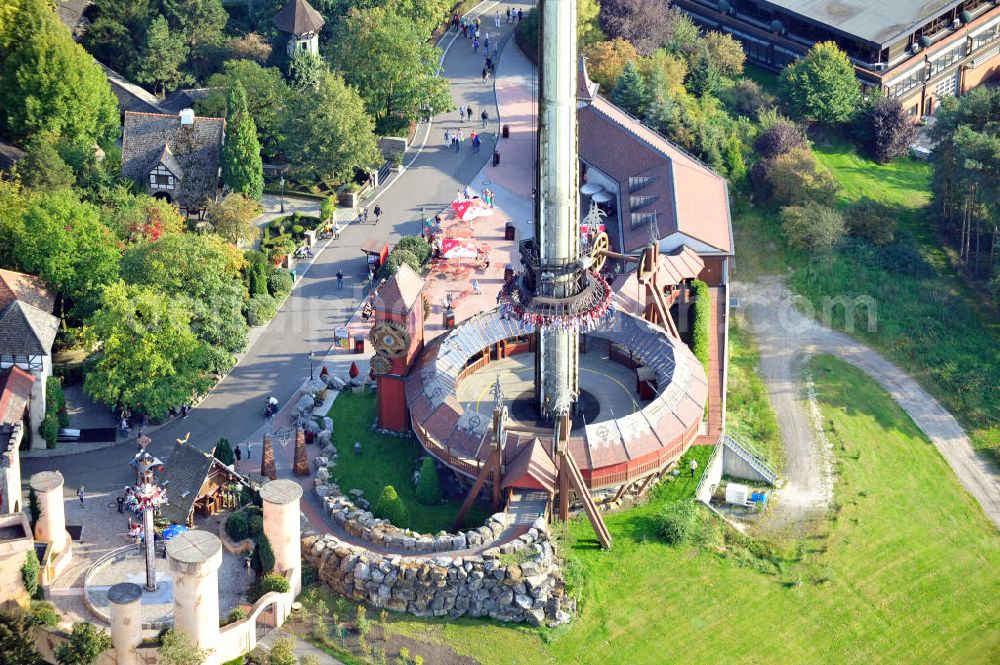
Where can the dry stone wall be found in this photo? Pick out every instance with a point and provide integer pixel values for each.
(517, 581)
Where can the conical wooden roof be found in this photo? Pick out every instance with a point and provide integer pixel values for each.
(298, 17)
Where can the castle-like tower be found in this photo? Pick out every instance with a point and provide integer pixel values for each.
(303, 23)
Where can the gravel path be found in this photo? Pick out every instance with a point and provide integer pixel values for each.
(787, 337)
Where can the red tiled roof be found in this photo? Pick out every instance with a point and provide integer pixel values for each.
(531, 468)
(15, 393)
(685, 195)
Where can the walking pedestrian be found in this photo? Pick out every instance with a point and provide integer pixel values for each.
(461, 113)
(508, 14)
(477, 26)
(476, 142)
(693, 465)
(239, 453)
(475, 45)
(121, 503)
(454, 142)
(79, 493)
(340, 280)
(475, 287)
(469, 112)
(496, 157)
(378, 212)
(486, 43)
(486, 74)
(520, 14)
(184, 410)
(447, 137)
(489, 63)
(366, 215)
(497, 21)
(485, 117)
(496, 48)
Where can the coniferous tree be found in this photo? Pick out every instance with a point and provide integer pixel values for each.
(630, 91)
(704, 79)
(242, 167)
(429, 487)
(163, 54)
(43, 169)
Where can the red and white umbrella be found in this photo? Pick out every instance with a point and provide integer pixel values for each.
(458, 248)
(467, 209)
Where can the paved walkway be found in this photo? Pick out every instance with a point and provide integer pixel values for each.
(787, 337)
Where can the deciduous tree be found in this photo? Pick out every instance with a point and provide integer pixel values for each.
(176, 648)
(305, 69)
(779, 138)
(387, 58)
(17, 639)
(42, 168)
(242, 167)
(327, 133)
(148, 359)
(647, 24)
(891, 130)
(49, 84)
(606, 61)
(725, 53)
(267, 95)
(86, 643)
(139, 218)
(233, 218)
(812, 226)
(821, 86)
(797, 177)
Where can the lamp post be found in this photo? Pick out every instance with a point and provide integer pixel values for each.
(282, 195)
(312, 359)
(149, 497)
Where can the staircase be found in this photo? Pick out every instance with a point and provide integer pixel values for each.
(526, 506)
(755, 463)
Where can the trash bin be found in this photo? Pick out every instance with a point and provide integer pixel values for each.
(449, 319)
(506, 131)
(508, 232)
(359, 344)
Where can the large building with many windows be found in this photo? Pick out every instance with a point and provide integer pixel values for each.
(916, 50)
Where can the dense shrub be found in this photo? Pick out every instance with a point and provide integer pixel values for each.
(280, 284)
(429, 487)
(812, 226)
(420, 248)
(872, 220)
(397, 257)
(224, 452)
(677, 522)
(44, 613)
(890, 130)
(236, 614)
(255, 272)
(255, 525)
(797, 177)
(392, 508)
(702, 321)
(261, 309)
(267, 584)
(781, 137)
(29, 574)
(262, 560)
(746, 97)
(49, 429)
(237, 526)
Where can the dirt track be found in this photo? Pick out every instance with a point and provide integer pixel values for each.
(786, 338)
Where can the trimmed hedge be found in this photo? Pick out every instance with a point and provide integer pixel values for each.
(280, 283)
(49, 430)
(29, 574)
(429, 488)
(700, 333)
(237, 526)
(391, 507)
(261, 309)
(262, 560)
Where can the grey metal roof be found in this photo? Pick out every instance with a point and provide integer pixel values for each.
(26, 330)
(9, 155)
(185, 98)
(298, 17)
(131, 97)
(183, 475)
(197, 149)
(876, 21)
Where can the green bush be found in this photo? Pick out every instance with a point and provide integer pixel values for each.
(85, 645)
(267, 584)
(701, 323)
(29, 574)
(392, 508)
(429, 487)
(255, 525)
(420, 248)
(49, 429)
(678, 522)
(44, 613)
(262, 560)
(261, 309)
(55, 400)
(224, 452)
(236, 614)
(298, 231)
(397, 257)
(280, 283)
(237, 526)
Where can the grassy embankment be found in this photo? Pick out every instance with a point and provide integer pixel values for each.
(930, 323)
(385, 460)
(907, 570)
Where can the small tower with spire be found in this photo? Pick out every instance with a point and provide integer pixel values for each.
(302, 23)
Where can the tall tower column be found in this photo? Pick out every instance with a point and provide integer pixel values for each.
(51, 525)
(195, 557)
(557, 226)
(126, 621)
(282, 526)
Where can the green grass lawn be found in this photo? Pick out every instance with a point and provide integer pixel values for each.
(933, 325)
(907, 570)
(385, 460)
(750, 418)
(766, 78)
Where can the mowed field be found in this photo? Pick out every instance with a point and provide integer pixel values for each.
(907, 570)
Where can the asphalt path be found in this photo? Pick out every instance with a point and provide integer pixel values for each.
(277, 361)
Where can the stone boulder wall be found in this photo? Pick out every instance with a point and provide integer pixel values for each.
(517, 581)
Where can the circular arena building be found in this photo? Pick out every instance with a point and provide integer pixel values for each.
(642, 397)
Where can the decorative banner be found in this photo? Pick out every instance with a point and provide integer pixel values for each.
(598, 315)
(587, 229)
(458, 248)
